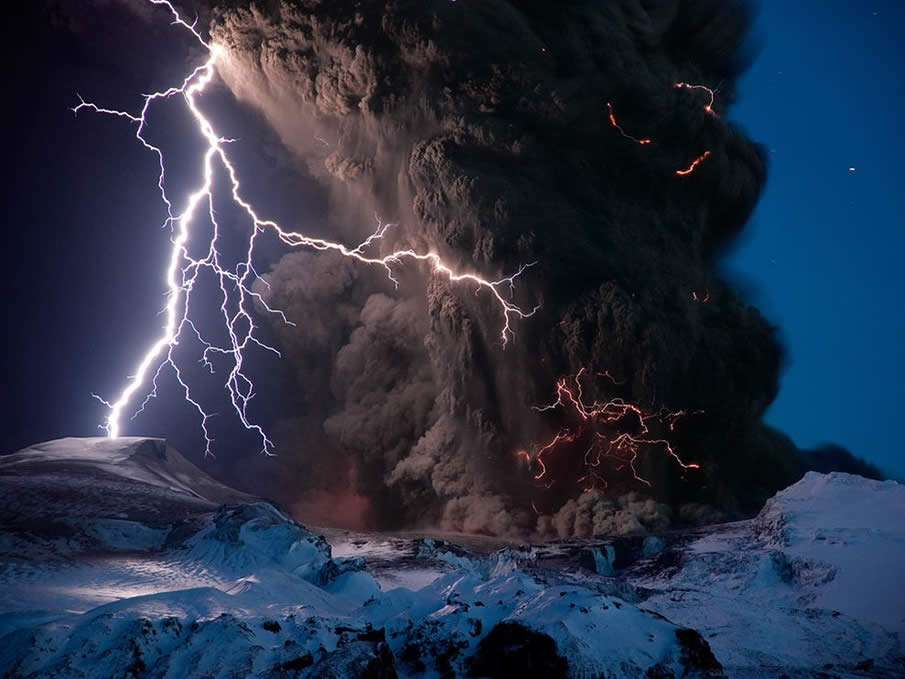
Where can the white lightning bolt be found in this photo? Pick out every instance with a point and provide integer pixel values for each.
(235, 283)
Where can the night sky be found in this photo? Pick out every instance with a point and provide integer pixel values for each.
(822, 257)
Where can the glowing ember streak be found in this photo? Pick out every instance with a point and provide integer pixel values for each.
(561, 437)
(615, 414)
(621, 131)
(697, 161)
(183, 270)
(606, 373)
(709, 107)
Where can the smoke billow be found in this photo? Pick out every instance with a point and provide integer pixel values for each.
(482, 131)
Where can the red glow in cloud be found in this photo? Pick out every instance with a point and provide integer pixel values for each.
(626, 430)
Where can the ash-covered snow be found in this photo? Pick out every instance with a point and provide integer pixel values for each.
(131, 564)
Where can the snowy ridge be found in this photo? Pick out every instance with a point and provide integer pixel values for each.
(166, 588)
(862, 545)
(145, 460)
(810, 584)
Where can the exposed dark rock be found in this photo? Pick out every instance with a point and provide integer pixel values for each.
(513, 650)
(358, 660)
(696, 654)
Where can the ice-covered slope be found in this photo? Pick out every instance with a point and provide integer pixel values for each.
(811, 586)
(855, 525)
(77, 495)
(189, 589)
(813, 583)
(103, 465)
(172, 585)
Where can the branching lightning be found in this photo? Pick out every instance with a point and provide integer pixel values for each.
(237, 295)
(626, 429)
(613, 429)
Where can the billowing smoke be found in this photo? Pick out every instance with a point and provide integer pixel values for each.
(482, 131)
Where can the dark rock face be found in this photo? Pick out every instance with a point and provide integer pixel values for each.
(513, 650)
(292, 667)
(696, 653)
(366, 660)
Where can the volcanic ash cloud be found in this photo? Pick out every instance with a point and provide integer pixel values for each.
(499, 134)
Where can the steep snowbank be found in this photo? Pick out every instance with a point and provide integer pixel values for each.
(812, 583)
(857, 527)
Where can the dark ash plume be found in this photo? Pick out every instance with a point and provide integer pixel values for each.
(482, 130)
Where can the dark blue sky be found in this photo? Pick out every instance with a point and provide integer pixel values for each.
(824, 253)
(821, 257)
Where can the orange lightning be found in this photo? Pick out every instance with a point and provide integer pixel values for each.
(621, 131)
(709, 106)
(621, 447)
(697, 161)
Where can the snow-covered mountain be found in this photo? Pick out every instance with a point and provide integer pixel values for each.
(121, 558)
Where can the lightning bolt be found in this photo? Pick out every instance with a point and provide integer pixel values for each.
(708, 108)
(621, 447)
(642, 142)
(712, 93)
(694, 164)
(235, 283)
